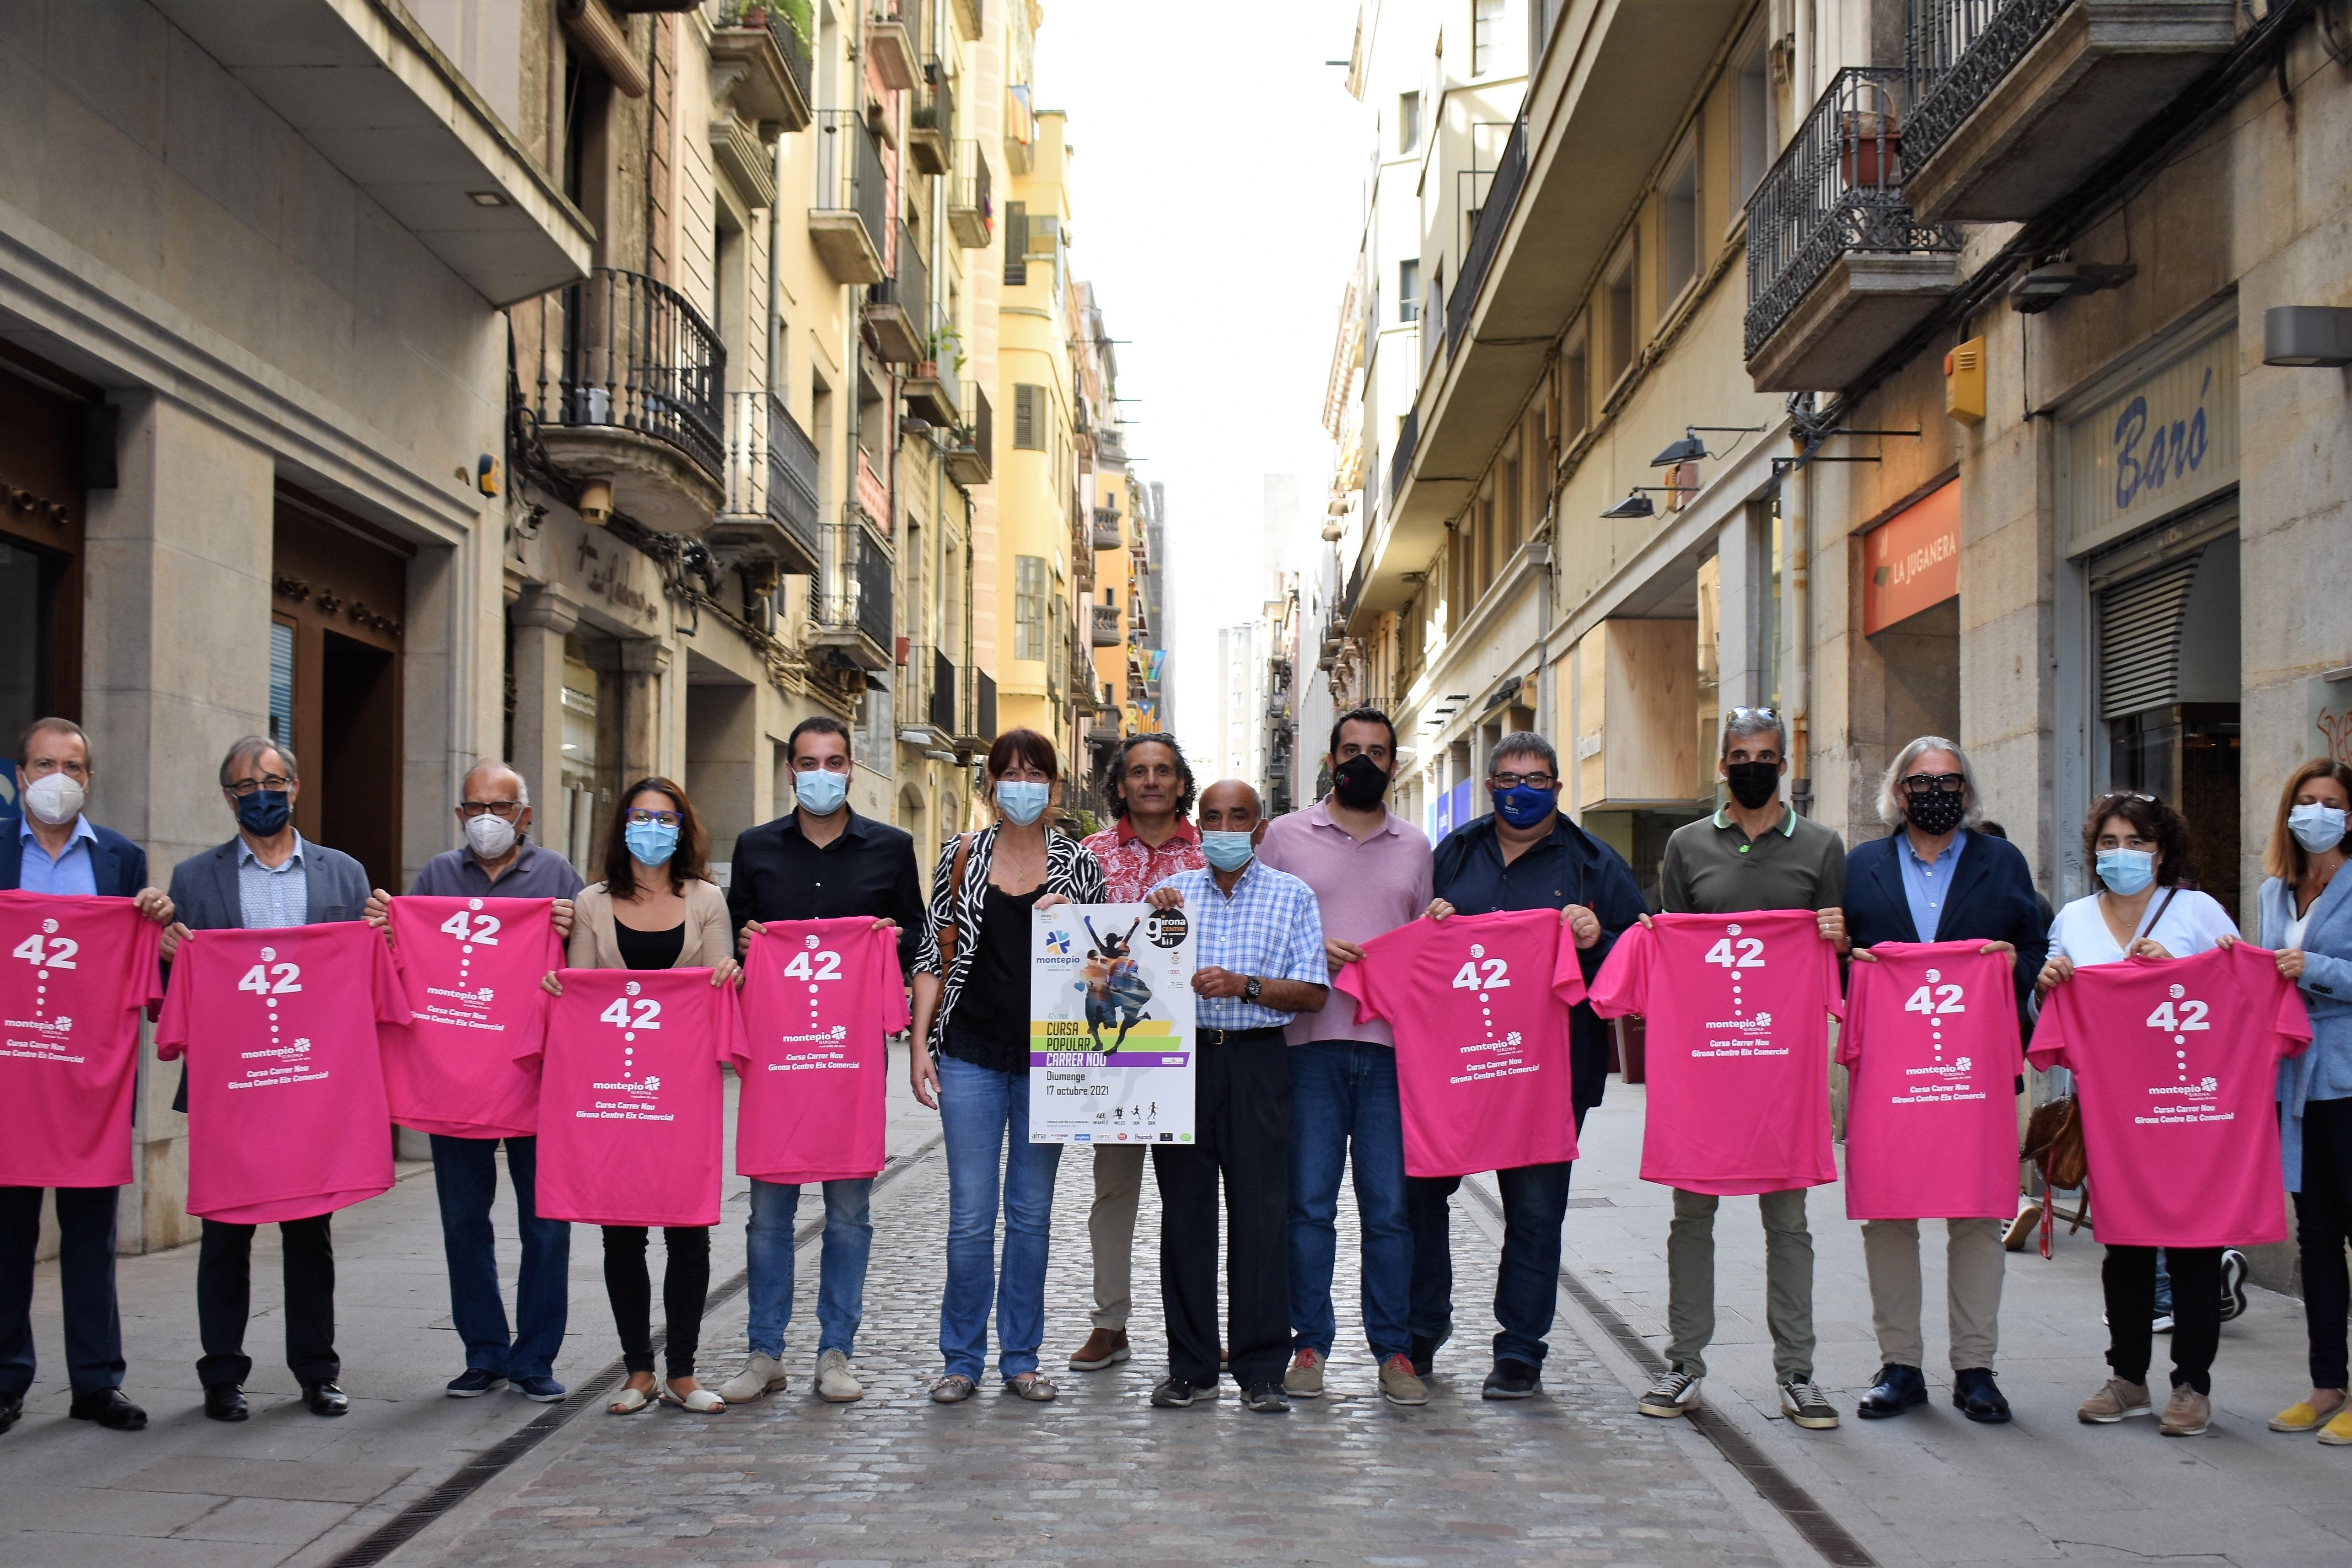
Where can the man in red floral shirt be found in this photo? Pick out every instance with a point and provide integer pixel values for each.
(1151, 786)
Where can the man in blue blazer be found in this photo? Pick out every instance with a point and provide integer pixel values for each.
(268, 875)
(1932, 880)
(47, 845)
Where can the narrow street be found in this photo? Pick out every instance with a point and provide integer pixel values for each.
(1100, 1476)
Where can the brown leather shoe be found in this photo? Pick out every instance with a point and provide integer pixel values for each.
(1104, 1347)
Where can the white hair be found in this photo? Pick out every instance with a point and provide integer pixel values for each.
(1890, 788)
(494, 765)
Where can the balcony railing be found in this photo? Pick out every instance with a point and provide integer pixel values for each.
(854, 594)
(1401, 460)
(781, 31)
(900, 307)
(941, 710)
(971, 444)
(1494, 216)
(638, 356)
(771, 473)
(1836, 189)
(972, 204)
(931, 122)
(850, 186)
(1107, 632)
(1960, 50)
(1106, 528)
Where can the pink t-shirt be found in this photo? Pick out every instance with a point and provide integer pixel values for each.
(77, 972)
(1480, 1005)
(631, 1107)
(1737, 1009)
(1931, 1045)
(287, 1117)
(1363, 888)
(820, 1000)
(470, 968)
(2176, 1061)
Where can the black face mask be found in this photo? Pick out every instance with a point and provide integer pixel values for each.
(1935, 815)
(1753, 784)
(1359, 782)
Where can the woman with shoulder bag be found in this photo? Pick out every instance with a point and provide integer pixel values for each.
(2306, 919)
(970, 1062)
(655, 908)
(2140, 847)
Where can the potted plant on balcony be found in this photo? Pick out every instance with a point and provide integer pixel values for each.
(1870, 144)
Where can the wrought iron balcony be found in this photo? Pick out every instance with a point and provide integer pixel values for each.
(850, 603)
(1401, 460)
(637, 374)
(1838, 268)
(774, 58)
(930, 122)
(971, 442)
(2019, 101)
(1493, 216)
(971, 204)
(898, 308)
(941, 710)
(771, 514)
(1107, 632)
(849, 218)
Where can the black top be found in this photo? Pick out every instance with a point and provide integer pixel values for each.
(990, 1029)
(868, 869)
(1570, 866)
(649, 949)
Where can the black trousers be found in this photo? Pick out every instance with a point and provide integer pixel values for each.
(1241, 1121)
(2323, 1222)
(2129, 1275)
(686, 1286)
(85, 1278)
(1526, 1285)
(225, 1300)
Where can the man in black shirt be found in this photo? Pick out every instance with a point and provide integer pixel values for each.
(1525, 856)
(823, 861)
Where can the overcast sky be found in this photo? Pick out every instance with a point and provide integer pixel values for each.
(1216, 194)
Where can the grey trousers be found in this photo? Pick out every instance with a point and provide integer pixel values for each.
(1787, 1281)
(1974, 1262)
(1110, 1229)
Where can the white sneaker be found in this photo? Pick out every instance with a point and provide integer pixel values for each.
(760, 1374)
(1674, 1392)
(834, 1383)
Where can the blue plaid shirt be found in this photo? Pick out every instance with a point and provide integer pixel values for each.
(268, 899)
(1270, 927)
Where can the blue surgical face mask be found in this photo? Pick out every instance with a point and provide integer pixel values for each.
(264, 812)
(820, 793)
(651, 843)
(1227, 851)
(1022, 801)
(2318, 828)
(2126, 871)
(1523, 805)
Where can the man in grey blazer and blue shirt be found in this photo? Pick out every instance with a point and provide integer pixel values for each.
(267, 876)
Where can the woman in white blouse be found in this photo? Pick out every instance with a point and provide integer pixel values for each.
(2140, 847)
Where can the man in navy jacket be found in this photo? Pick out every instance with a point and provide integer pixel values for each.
(1932, 880)
(47, 845)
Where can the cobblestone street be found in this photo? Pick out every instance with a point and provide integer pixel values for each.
(1099, 1475)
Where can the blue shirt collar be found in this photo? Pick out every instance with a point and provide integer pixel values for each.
(1950, 851)
(81, 830)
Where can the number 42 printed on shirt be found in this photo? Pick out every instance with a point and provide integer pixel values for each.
(49, 951)
(272, 979)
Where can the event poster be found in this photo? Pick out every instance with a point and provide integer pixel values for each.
(1111, 1033)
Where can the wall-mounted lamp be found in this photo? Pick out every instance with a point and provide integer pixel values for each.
(1637, 504)
(596, 501)
(2306, 336)
(2037, 290)
(1690, 447)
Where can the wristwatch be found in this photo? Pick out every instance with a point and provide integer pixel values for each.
(1250, 989)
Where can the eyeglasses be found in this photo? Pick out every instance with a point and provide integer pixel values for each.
(505, 810)
(639, 818)
(244, 787)
(1754, 713)
(2115, 795)
(1530, 781)
(1934, 784)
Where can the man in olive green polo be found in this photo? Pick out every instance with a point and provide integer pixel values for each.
(1756, 853)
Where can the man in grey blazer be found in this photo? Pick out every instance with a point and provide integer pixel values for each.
(268, 875)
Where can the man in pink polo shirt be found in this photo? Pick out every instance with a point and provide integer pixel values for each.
(1370, 871)
(1151, 786)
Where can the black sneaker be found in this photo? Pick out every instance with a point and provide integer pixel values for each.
(1266, 1399)
(11, 1410)
(1423, 1354)
(1512, 1380)
(473, 1382)
(1175, 1394)
(1802, 1402)
(2233, 1283)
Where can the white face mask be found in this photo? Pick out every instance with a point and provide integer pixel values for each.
(54, 798)
(2318, 828)
(491, 836)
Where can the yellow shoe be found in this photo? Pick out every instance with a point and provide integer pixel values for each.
(2298, 1417)
(2337, 1434)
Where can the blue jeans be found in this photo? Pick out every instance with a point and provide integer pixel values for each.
(1526, 1285)
(841, 1275)
(1343, 1096)
(466, 1175)
(980, 1110)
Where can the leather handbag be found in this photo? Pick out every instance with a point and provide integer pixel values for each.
(949, 934)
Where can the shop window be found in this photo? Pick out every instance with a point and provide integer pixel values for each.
(590, 771)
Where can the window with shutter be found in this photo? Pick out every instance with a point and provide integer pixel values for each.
(2141, 624)
(1028, 607)
(1029, 418)
(1016, 243)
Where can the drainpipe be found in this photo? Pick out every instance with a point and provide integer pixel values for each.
(1801, 656)
(775, 277)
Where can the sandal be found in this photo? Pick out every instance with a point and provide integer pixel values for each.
(697, 1401)
(628, 1401)
(952, 1389)
(1032, 1386)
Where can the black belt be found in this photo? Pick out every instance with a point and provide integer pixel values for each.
(1237, 1037)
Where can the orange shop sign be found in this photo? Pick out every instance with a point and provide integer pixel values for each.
(1912, 561)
